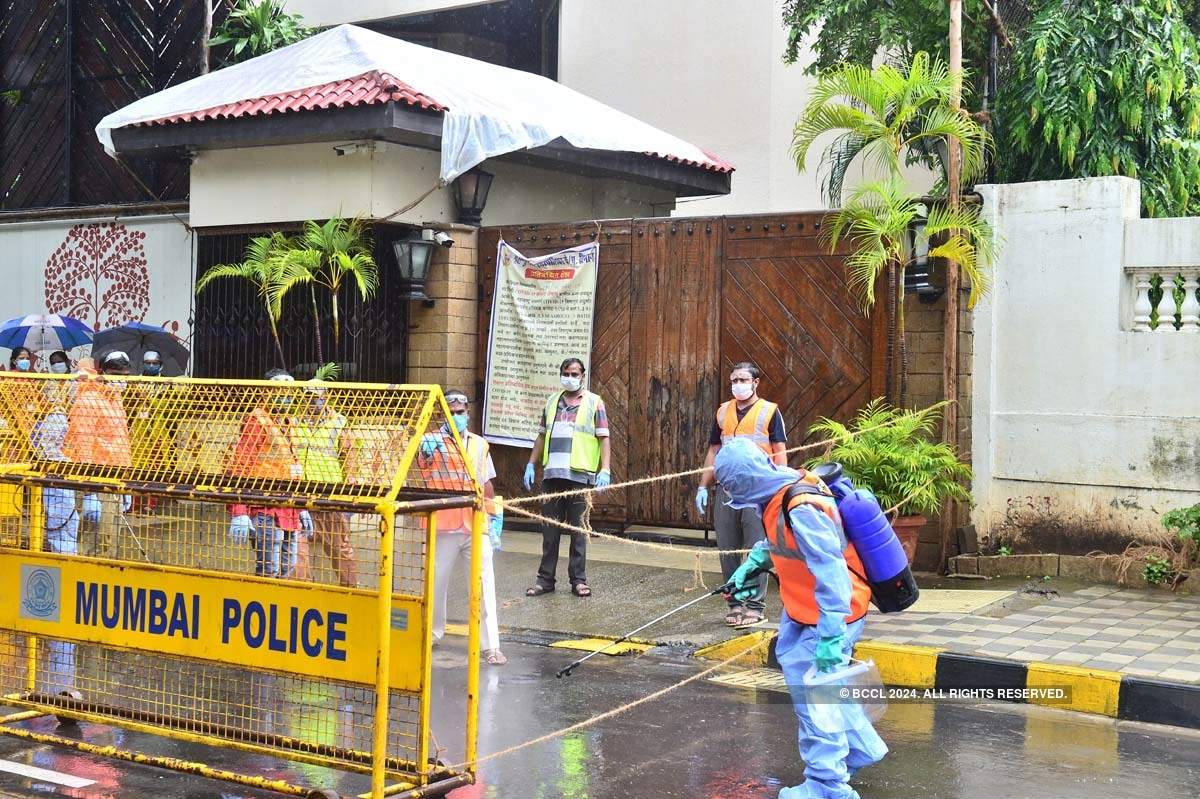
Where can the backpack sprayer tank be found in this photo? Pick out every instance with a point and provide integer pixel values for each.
(892, 585)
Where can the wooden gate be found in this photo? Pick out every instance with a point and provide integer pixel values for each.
(679, 301)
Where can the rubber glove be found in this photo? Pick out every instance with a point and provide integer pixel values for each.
(495, 529)
(757, 562)
(431, 444)
(239, 529)
(701, 500)
(126, 502)
(306, 524)
(603, 480)
(530, 475)
(828, 654)
(91, 508)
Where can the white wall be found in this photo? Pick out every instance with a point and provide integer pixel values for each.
(311, 181)
(1082, 428)
(103, 271)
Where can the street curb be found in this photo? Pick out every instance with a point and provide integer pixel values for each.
(1094, 691)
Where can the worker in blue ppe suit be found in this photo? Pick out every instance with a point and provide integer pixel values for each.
(825, 603)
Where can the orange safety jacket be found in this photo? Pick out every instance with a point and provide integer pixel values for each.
(97, 429)
(755, 425)
(796, 582)
(447, 470)
(264, 450)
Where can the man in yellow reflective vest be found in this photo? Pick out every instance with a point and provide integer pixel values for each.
(750, 417)
(320, 446)
(574, 451)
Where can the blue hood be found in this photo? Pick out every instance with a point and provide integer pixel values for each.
(749, 476)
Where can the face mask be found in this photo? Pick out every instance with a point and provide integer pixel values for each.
(460, 422)
(281, 404)
(570, 383)
(22, 364)
(152, 369)
(743, 391)
(59, 368)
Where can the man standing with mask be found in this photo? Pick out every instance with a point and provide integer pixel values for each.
(151, 364)
(454, 525)
(318, 437)
(574, 450)
(745, 416)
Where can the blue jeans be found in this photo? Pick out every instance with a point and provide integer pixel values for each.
(829, 758)
(274, 547)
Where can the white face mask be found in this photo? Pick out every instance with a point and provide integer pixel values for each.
(59, 368)
(570, 383)
(742, 391)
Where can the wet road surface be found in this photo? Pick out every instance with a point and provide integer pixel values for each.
(705, 740)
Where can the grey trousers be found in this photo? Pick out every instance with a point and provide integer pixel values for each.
(739, 529)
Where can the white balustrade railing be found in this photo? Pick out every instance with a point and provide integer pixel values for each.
(1142, 280)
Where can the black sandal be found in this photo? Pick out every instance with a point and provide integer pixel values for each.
(581, 590)
(538, 590)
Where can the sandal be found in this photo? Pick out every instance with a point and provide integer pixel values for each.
(751, 618)
(581, 589)
(494, 657)
(538, 590)
(734, 617)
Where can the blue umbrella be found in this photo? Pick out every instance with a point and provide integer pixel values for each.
(134, 338)
(41, 332)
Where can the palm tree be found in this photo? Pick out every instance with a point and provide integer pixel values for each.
(875, 221)
(328, 255)
(886, 114)
(260, 267)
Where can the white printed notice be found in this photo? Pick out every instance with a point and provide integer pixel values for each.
(541, 314)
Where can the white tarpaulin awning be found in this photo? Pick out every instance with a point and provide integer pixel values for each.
(489, 110)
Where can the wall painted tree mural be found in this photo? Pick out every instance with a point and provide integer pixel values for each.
(99, 275)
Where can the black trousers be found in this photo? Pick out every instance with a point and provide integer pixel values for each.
(569, 510)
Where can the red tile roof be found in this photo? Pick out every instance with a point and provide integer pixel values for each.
(370, 88)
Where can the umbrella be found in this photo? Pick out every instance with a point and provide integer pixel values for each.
(134, 338)
(41, 332)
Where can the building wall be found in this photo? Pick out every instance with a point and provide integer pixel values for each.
(1085, 430)
(321, 13)
(443, 339)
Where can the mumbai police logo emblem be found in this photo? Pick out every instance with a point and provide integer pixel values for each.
(40, 592)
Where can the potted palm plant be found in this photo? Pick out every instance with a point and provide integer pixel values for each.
(889, 451)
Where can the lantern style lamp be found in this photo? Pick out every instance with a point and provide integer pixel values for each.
(918, 276)
(470, 195)
(412, 259)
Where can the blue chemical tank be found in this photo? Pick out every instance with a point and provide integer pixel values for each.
(892, 585)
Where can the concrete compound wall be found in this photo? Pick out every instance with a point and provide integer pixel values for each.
(443, 339)
(1085, 432)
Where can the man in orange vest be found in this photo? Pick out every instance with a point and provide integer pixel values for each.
(825, 601)
(747, 416)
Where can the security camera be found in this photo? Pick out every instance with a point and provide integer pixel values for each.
(443, 238)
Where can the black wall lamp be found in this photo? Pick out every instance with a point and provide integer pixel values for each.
(470, 195)
(413, 256)
(918, 275)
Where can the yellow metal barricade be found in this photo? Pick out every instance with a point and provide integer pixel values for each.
(247, 565)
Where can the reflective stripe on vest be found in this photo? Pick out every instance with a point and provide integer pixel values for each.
(797, 586)
(585, 447)
(453, 520)
(755, 425)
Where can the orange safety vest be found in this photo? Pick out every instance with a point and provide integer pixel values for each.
(755, 425)
(449, 472)
(97, 429)
(796, 583)
(264, 450)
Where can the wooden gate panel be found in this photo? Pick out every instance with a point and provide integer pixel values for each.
(675, 338)
(608, 364)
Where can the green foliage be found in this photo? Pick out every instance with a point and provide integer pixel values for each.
(328, 371)
(10, 97)
(891, 453)
(1100, 88)
(260, 267)
(1004, 551)
(254, 28)
(1185, 523)
(885, 114)
(856, 31)
(1157, 570)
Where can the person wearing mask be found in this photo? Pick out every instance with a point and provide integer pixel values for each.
(98, 434)
(825, 602)
(21, 360)
(151, 364)
(437, 456)
(319, 439)
(573, 447)
(745, 416)
(264, 450)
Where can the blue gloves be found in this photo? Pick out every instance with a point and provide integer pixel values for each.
(701, 500)
(744, 585)
(91, 508)
(239, 529)
(495, 529)
(604, 479)
(431, 444)
(530, 475)
(306, 524)
(828, 654)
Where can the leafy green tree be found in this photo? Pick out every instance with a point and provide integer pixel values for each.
(1102, 88)
(260, 267)
(254, 28)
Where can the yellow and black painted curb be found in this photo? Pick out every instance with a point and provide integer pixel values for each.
(1096, 691)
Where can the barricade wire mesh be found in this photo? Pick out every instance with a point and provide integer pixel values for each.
(251, 484)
